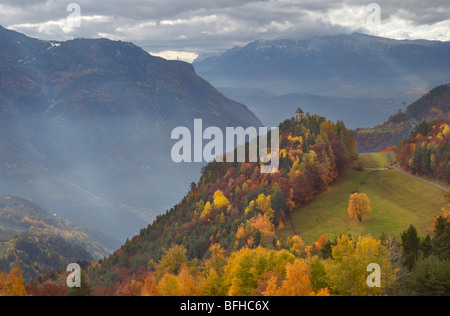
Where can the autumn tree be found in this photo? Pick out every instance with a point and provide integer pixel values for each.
(206, 211)
(214, 269)
(262, 224)
(220, 201)
(170, 286)
(296, 245)
(12, 284)
(190, 285)
(297, 282)
(248, 266)
(347, 273)
(264, 204)
(359, 206)
(171, 262)
(150, 288)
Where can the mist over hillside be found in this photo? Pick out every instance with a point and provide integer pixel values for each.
(86, 124)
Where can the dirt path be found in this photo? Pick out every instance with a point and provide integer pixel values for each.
(396, 167)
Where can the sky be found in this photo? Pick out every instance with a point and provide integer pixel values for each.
(186, 29)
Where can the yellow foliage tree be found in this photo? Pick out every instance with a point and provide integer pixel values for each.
(297, 282)
(264, 204)
(11, 284)
(220, 201)
(250, 208)
(359, 206)
(347, 273)
(206, 211)
(169, 286)
(171, 262)
(248, 266)
(446, 131)
(296, 245)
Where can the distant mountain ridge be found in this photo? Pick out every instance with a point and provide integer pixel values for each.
(332, 65)
(85, 128)
(376, 75)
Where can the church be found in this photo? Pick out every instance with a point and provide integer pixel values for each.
(299, 115)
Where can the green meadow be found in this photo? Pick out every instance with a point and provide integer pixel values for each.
(397, 202)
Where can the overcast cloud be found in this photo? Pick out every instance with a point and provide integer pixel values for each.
(210, 26)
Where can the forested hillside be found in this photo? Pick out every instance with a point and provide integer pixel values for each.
(37, 241)
(427, 151)
(235, 206)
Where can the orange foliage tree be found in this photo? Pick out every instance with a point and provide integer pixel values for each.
(12, 284)
(359, 206)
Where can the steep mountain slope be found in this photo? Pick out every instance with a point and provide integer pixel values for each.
(433, 105)
(37, 241)
(86, 124)
(356, 66)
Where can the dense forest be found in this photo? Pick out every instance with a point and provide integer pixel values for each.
(427, 151)
(414, 265)
(35, 254)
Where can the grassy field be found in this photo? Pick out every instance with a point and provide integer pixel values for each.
(397, 202)
(377, 160)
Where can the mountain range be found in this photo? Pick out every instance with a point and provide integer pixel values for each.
(370, 77)
(85, 128)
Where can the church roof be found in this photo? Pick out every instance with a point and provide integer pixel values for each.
(300, 111)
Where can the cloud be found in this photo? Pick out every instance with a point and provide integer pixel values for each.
(208, 26)
(174, 55)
